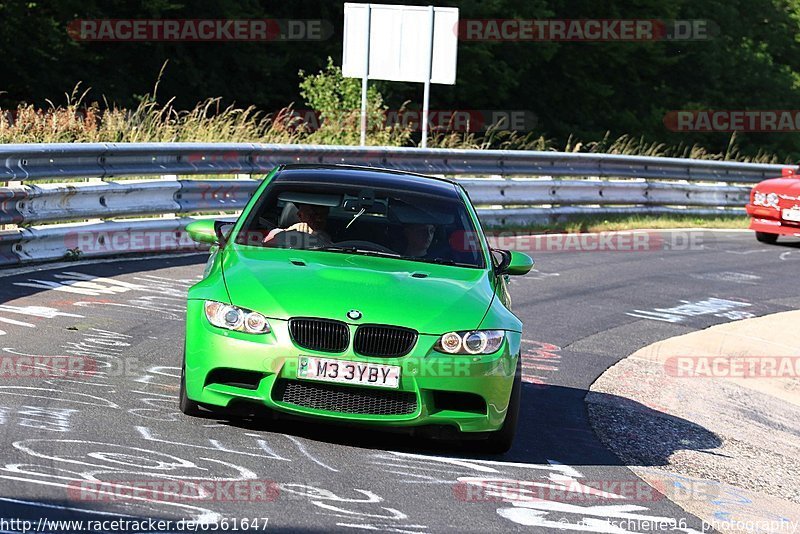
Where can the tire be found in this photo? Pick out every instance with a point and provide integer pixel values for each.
(187, 406)
(500, 441)
(769, 239)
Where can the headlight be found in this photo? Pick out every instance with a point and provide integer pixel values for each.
(235, 318)
(470, 342)
(768, 200)
(772, 200)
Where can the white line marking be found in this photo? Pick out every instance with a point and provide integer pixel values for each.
(743, 252)
(37, 311)
(18, 323)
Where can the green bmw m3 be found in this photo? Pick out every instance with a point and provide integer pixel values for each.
(357, 295)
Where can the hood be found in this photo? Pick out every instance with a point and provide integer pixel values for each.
(789, 187)
(282, 283)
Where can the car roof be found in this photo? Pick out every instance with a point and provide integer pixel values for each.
(366, 177)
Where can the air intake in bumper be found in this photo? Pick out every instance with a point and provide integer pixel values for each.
(344, 399)
(235, 377)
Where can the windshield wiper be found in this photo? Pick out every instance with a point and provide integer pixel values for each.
(356, 250)
(356, 216)
(443, 261)
(367, 252)
(438, 261)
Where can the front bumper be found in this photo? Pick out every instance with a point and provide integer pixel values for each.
(425, 374)
(769, 221)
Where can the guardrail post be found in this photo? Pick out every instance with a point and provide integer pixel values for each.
(4, 226)
(168, 177)
(9, 184)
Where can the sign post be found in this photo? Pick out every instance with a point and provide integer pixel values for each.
(400, 43)
(364, 79)
(426, 93)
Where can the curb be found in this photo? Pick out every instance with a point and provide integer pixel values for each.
(734, 424)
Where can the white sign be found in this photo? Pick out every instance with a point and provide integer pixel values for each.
(400, 43)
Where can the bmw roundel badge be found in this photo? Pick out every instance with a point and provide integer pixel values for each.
(354, 315)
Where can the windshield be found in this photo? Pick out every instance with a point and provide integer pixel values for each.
(352, 219)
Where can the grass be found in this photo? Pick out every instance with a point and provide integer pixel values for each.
(634, 222)
(78, 121)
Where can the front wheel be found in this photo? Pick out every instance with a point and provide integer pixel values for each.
(500, 441)
(187, 405)
(769, 239)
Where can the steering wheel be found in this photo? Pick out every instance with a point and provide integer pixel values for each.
(296, 239)
(366, 245)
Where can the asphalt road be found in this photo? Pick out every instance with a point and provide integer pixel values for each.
(583, 311)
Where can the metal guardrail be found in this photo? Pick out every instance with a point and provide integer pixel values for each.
(107, 160)
(41, 203)
(662, 185)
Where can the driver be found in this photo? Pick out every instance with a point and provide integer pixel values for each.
(313, 220)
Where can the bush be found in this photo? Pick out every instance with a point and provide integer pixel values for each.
(337, 100)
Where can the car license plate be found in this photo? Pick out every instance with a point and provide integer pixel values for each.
(792, 214)
(366, 374)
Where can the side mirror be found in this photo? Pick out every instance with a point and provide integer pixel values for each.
(222, 229)
(209, 231)
(511, 262)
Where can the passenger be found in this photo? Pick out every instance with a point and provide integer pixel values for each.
(418, 239)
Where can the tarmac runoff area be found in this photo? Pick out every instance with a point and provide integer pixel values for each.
(726, 400)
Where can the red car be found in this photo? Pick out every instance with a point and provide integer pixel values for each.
(774, 207)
